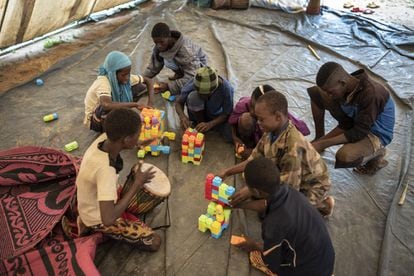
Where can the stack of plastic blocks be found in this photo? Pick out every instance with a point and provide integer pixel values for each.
(217, 191)
(153, 126)
(192, 146)
(218, 214)
(216, 219)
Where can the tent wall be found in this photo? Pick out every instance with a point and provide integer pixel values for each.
(22, 20)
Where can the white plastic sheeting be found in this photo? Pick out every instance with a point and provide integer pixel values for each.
(23, 20)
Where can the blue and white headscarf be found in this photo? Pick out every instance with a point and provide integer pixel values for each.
(115, 61)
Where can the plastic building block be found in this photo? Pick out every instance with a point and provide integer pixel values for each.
(71, 146)
(169, 135)
(192, 146)
(153, 127)
(167, 95)
(50, 117)
(141, 153)
(217, 191)
(216, 219)
(236, 240)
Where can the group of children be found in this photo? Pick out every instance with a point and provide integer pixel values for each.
(287, 181)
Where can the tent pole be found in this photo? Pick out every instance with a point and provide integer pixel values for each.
(90, 12)
(4, 14)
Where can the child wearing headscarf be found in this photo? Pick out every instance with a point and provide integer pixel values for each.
(115, 87)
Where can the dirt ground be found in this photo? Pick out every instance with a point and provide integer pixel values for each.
(25, 64)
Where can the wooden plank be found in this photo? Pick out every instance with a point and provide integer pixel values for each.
(189, 250)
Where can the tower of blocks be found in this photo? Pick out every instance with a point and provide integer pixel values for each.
(217, 191)
(217, 217)
(192, 146)
(153, 127)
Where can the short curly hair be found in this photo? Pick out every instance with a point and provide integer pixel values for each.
(275, 102)
(262, 174)
(160, 30)
(121, 123)
(326, 71)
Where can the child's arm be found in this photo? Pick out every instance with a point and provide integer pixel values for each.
(150, 87)
(249, 245)
(239, 168)
(110, 212)
(108, 104)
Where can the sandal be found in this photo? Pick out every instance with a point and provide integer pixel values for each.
(368, 11)
(372, 5)
(348, 5)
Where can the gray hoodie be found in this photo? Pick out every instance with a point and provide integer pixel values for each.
(184, 58)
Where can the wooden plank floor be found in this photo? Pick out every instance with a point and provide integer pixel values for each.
(184, 250)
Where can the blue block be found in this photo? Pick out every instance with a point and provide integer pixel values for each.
(217, 236)
(197, 151)
(217, 181)
(214, 192)
(230, 190)
(165, 149)
(226, 201)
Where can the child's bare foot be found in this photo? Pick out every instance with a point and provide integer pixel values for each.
(327, 206)
(370, 168)
(374, 165)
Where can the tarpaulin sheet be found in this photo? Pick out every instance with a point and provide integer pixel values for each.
(372, 235)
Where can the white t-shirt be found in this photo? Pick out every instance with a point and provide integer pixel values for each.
(96, 181)
(102, 87)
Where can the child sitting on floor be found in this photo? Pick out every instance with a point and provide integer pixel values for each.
(99, 207)
(295, 238)
(115, 87)
(299, 163)
(245, 129)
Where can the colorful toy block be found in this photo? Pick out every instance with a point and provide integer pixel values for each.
(216, 219)
(192, 146)
(217, 191)
(153, 127)
(167, 95)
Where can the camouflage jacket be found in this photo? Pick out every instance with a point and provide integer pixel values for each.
(299, 163)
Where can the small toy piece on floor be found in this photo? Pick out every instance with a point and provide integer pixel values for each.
(50, 117)
(167, 95)
(236, 240)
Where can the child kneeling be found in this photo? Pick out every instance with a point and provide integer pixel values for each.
(99, 207)
(295, 238)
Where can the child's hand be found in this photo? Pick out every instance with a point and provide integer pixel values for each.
(185, 122)
(142, 177)
(203, 127)
(160, 87)
(222, 175)
(239, 197)
(248, 245)
(143, 144)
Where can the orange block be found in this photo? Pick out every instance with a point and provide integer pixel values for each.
(235, 240)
